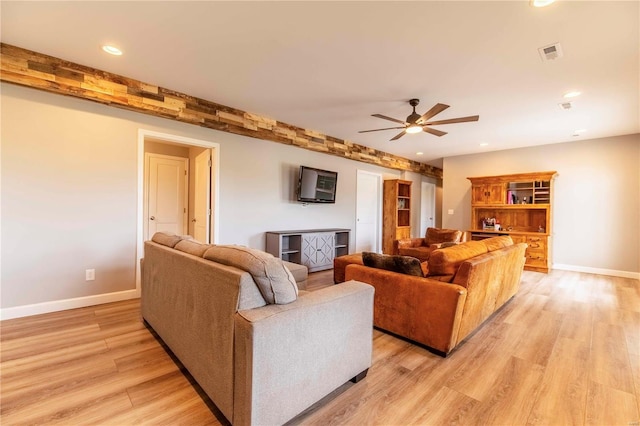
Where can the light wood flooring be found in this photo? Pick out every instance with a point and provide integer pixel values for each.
(565, 350)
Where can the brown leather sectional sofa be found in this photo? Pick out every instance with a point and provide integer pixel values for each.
(465, 284)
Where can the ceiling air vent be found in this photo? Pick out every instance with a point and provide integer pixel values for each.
(551, 52)
(565, 105)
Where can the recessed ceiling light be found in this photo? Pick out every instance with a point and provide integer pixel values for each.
(112, 50)
(572, 94)
(484, 144)
(578, 132)
(541, 3)
(419, 153)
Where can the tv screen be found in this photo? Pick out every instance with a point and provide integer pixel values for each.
(316, 185)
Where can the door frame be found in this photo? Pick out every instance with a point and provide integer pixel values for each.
(196, 195)
(143, 135)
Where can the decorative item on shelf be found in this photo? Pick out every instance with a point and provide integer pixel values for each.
(489, 223)
(510, 197)
(540, 228)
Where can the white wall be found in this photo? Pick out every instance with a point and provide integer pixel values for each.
(70, 196)
(596, 206)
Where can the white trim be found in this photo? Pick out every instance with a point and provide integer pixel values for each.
(598, 271)
(63, 305)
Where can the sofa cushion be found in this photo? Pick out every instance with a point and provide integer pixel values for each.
(495, 243)
(422, 253)
(274, 280)
(446, 261)
(193, 247)
(403, 264)
(437, 235)
(168, 239)
(300, 272)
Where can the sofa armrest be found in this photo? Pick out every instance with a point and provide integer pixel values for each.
(290, 356)
(421, 309)
(411, 242)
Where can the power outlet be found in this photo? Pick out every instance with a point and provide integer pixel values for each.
(90, 274)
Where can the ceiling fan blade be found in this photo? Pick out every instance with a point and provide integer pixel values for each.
(377, 130)
(398, 136)
(384, 117)
(453, 120)
(436, 109)
(433, 131)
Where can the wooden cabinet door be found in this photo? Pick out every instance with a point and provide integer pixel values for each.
(496, 194)
(488, 193)
(478, 194)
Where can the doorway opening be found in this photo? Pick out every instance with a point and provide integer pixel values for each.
(427, 207)
(368, 211)
(168, 203)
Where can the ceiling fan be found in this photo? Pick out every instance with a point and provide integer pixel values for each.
(415, 123)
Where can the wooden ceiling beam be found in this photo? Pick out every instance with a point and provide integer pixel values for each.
(43, 72)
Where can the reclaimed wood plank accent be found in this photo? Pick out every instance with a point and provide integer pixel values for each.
(31, 69)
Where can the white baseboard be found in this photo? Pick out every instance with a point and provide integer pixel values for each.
(63, 305)
(599, 271)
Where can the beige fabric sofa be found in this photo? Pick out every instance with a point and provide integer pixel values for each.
(259, 363)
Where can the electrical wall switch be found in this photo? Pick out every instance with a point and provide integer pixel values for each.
(450, 211)
(90, 274)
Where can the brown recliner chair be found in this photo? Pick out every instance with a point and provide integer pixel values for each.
(422, 247)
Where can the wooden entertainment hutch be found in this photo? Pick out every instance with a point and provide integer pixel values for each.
(396, 213)
(521, 205)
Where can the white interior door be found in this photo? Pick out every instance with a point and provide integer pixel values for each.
(167, 194)
(368, 211)
(427, 207)
(202, 197)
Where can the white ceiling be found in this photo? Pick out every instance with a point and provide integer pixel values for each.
(328, 66)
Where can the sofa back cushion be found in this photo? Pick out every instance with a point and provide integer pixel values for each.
(274, 280)
(446, 261)
(495, 243)
(168, 239)
(193, 247)
(403, 264)
(437, 235)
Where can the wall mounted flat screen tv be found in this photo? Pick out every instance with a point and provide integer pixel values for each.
(316, 185)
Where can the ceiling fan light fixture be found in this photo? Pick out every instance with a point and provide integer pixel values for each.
(414, 128)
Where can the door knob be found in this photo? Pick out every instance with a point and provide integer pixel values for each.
(193, 220)
(152, 218)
